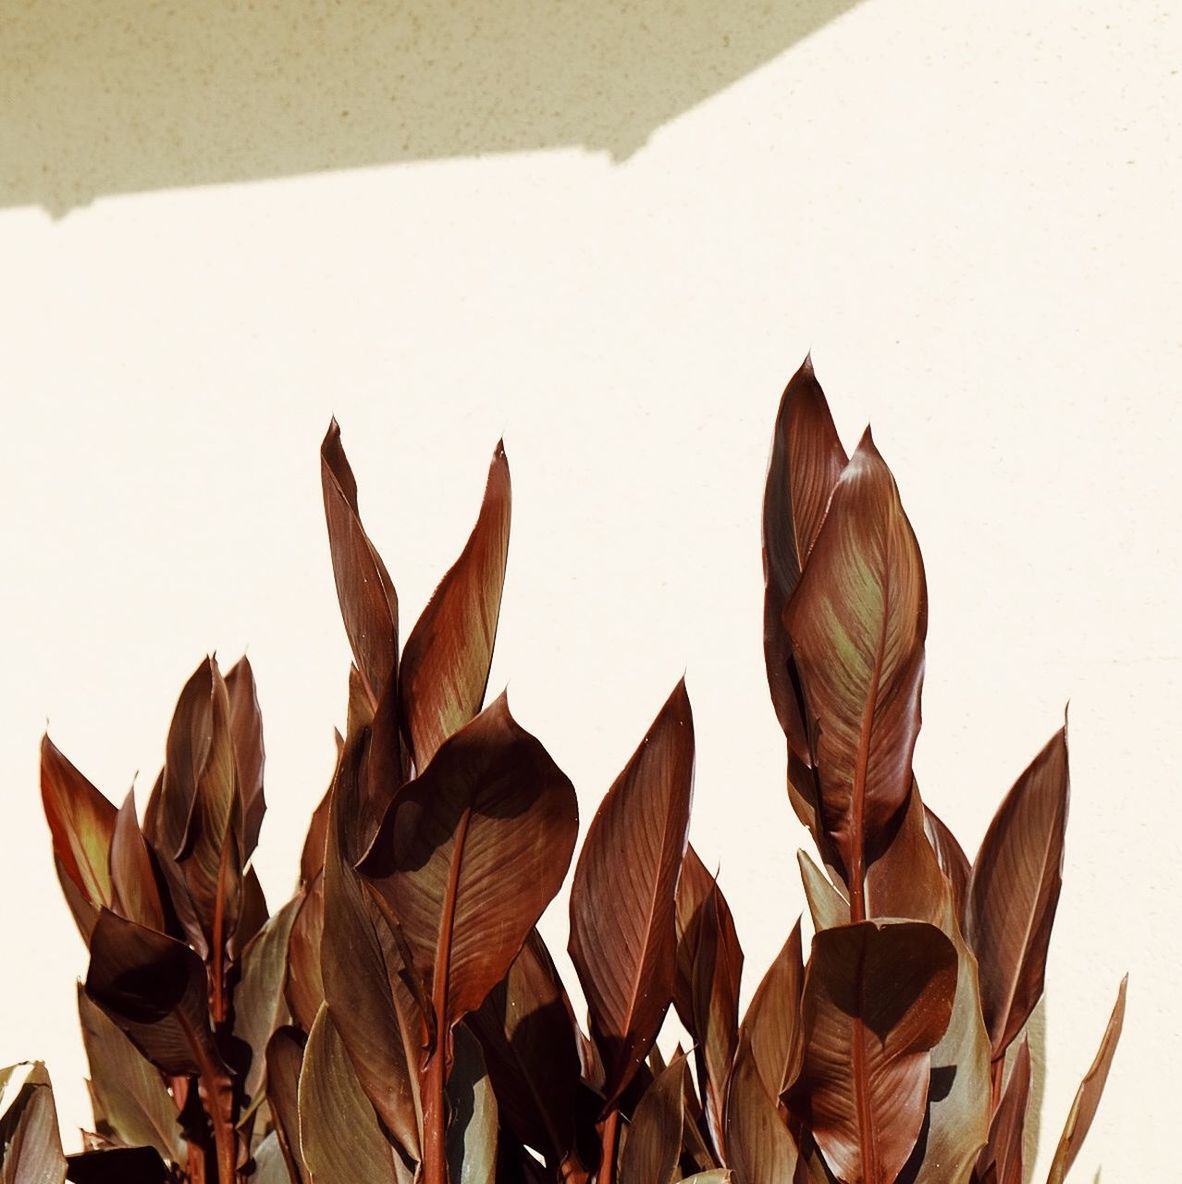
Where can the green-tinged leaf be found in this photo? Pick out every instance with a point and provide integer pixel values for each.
(1002, 1154)
(857, 621)
(134, 892)
(285, 1060)
(339, 1133)
(246, 732)
(623, 933)
(81, 822)
(760, 1148)
(155, 990)
(653, 1146)
(472, 1131)
(30, 1149)
(369, 604)
(951, 858)
(354, 970)
(470, 853)
(1014, 891)
(827, 907)
(259, 1003)
(771, 1026)
(446, 661)
(118, 1165)
(132, 1103)
(304, 986)
(807, 459)
(1087, 1097)
(877, 997)
(270, 1165)
(528, 1033)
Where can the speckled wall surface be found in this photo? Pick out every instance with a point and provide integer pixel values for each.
(608, 232)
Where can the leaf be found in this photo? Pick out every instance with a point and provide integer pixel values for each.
(259, 1003)
(118, 1165)
(304, 986)
(154, 989)
(714, 1176)
(369, 604)
(622, 906)
(134, 893)
(527, 1031)
(771, 1027)
(446, 661)
(81, 822)
(877, 997)
(694, 884)
(653, 1147)
(128, 1091)
(1002, 1154)
(353, 967)
(472, 1131)
(312, 856)
(30, 1149)
(339, 1133)
(807, 459)
(827, 907)
(1014, 891)
(951, 858)
(470, 853)
(857, 621)
(285, 1059)
(246, 731)
(270, 1165)
(1087, 1097)
(760, 1148)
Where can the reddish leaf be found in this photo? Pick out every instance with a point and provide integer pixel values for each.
(857, 621)
(81, 822)
(471, 852)
(369, 604)
(246, 731)
(133, 880)
(771, 1027)
(446, 660)
(653, 1147)
(827, 907)
(877, 997)
(1002, 1154)
(1014, 891)
(951, 858)
(694, 884)
(304, 986)
(1087, 1097)
(622, 906)
(285, 1058)
(760, 1149)
(30, 1148)
(472, 1130)
(312, 856)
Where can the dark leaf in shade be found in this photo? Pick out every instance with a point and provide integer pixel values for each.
(623, 935)
(312, 856)
(446, 661)
(134, 892)
(369, 604)
(118, 1165)
(285, 1058)
(30, 1148)
(877, 997)
(760, 1148)
(694, 884)
(471, 852)
(1014, 891)
(304, 986)
(472, 1130)
(1002, 1154)
(771, 1025)
(653, 1147)
(246, 731)
(253, 914)
(81, 822)
(862, 597)
(1087, 1097)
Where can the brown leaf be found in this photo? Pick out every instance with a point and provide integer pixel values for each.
(857, 621)
(771, 1026)
(951, 858)
(472, 1131)
(760, 1148)
(827, 907)
(446, 661)
(622, 906)
(81, 822)
(30, 1148)
(304, 986)
(312, 856)
(284, 1059)
(694, 884)
(1002, 1154)
(246, 731)
(877, 997)
(1087, 1097)
(653, 1146)
(133, 880)
(369, 604)
(1014, 891)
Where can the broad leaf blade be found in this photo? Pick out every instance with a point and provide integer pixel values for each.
(134, 892)
(246, 730)
(622, 906)
(1087, 1097)
(654, 1139)
(304, 986)
(827, 907)
(857, 621)
(472, 1131)
(771, 1027)
(30, 1148)
(285, 1060)
(1014, 891)
(877, 997)
(446, 661)
(760, 1149)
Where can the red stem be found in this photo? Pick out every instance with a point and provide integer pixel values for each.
(607, 1158)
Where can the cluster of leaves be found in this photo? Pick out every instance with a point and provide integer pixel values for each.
(401, 1019)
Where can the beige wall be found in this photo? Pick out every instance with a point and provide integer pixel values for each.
(608, 232)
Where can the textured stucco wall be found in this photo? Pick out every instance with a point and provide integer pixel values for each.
(609, 233)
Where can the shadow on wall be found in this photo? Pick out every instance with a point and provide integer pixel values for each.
(119, 96)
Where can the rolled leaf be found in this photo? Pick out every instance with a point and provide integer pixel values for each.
(246, 731)
(470, 853)
(134, 891)
(877, 997)
(653, 1148)
(30, 1148)
(827, 907)
(1002, 1154)
(1014, 891)
(81, 822)
(760, 1149)
(1087, 1097)
(857, 621)
(446, 660)
(951, 858)
(622, 906)
(771, 1026)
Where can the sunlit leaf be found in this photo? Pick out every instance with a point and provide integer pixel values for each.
(760, 1149)
(653, 1147)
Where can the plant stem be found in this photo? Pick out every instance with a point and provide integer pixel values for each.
(434, 1116)
(607, 1158)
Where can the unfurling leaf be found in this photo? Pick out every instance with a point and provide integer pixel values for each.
(1002, 1154)
(623, 938)
(771, 1026)
(246, 731)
